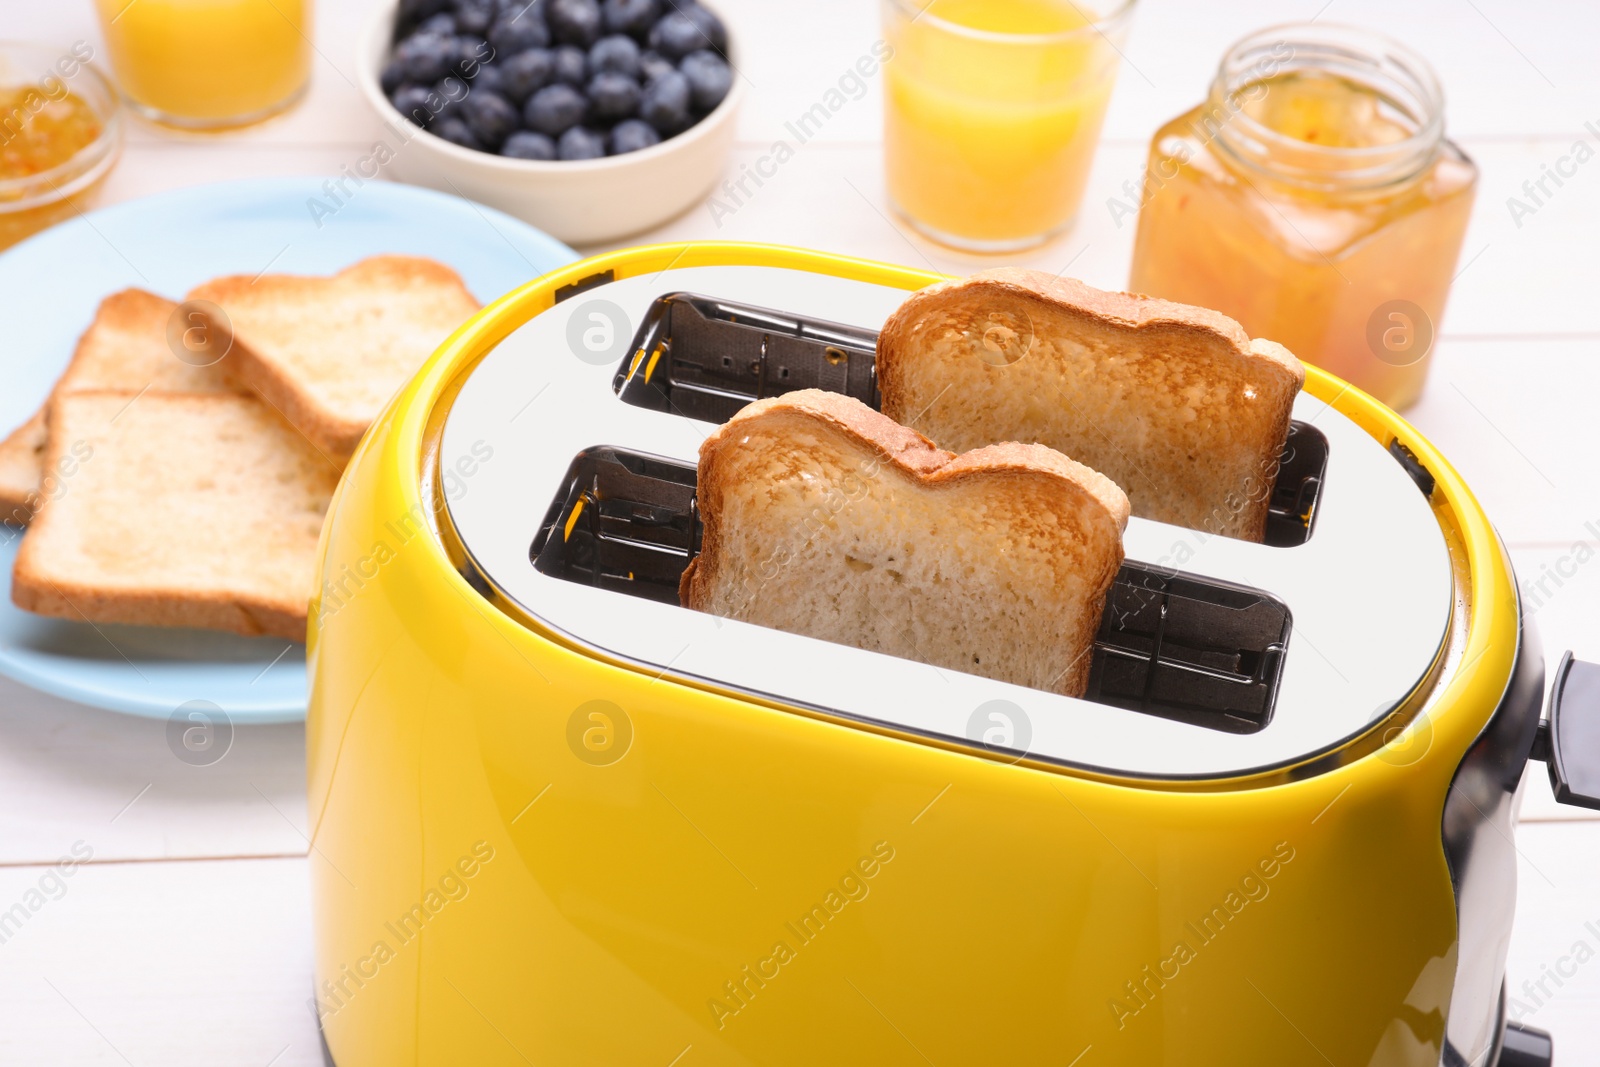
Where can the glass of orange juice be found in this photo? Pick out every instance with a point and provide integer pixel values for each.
(209, 64)
(992, 109)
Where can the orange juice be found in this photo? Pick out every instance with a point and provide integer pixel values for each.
(209, 63)
(991, 114)
(1315, 199)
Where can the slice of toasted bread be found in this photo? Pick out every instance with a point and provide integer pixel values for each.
(825, 518)
(21, 453)
(128, 349)
(1176, 404)
(179, 510)
(330, 352)
(124, 349)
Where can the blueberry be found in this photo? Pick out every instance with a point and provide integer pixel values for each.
(491, 118)
(450, 92)
(571, 66)
(490, 79)
(555, 109)
(630, 135)
(471, 53)
(675, 35)
(574, 21)
(525, 144)
(714, 33)
(631, 16)
(664, 103)
(444, 24)
(393, 76)
(425, 57)
(474, 16)
(709, 78)
(412, 12)
(521, 8)
(617, 54)
(580, 142)
(612, 96)
(456, 132)
(514, 32)
(526, 72)
(653, 64)
(417, 103)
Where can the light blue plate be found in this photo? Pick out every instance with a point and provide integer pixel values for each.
(168, 244)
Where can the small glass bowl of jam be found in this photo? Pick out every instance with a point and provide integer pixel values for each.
(60, 135)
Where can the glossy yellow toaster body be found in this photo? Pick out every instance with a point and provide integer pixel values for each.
(530, 850)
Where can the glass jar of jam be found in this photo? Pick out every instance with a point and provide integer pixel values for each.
(60, 135)
(1314, 198)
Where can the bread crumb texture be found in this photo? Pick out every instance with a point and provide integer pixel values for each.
(1175, 404)
(824, 518)
(330, 352)
(184, 511)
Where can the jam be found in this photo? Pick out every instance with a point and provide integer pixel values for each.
(41, 133)
(54, 152)
(1315, 199)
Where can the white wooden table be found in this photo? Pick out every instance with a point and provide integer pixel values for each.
(186, 939)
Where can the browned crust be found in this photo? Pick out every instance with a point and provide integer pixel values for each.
(920, 461)
(1139, 317)
(244, 615)
(20, 464)
(1130, 311)
(126, 310)
(334, 436)
(33, 590)
(381, 271)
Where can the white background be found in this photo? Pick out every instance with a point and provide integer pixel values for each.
(187, 939)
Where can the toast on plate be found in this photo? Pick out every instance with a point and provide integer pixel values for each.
(825, 518)
(182, 510)
(329, 352)
(125, 348)
(21, 454)
(1175, 404)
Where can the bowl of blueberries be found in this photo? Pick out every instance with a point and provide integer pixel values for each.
(591, 119)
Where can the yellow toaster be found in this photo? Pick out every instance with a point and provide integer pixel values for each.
(560, 820)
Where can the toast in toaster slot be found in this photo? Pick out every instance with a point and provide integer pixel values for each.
(826, 518)
(1176, 404)
(1170, 644)
(705, 358)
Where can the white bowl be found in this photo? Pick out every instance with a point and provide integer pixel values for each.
(580, 202)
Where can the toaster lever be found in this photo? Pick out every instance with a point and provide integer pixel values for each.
(1523, 1046)
(1568, 741)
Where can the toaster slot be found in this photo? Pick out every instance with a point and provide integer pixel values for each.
(624, 521)
(705, 358)
(1191, 649)
(1170, 644)
(1301, 468)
